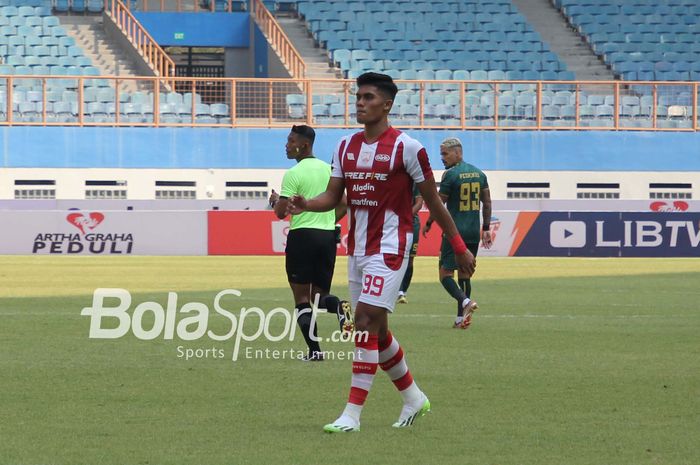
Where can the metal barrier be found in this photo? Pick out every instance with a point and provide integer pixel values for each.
(224, 102)
(278, 40)
(156, 57)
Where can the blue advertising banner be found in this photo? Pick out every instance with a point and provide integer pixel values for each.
(611, 234)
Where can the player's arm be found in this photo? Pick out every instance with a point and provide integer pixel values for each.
(280, 202)
(465, 259)
(274, 202)
(280, 207)
(327, 200)
(485, 198)
(431, 220)
(417, 204)
(341, 209)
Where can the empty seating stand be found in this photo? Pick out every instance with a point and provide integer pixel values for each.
(33, 43)
(405, 39)
(641, 40)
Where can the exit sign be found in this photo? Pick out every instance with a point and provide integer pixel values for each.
(179, 35)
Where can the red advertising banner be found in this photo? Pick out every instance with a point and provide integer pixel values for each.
(261, 233)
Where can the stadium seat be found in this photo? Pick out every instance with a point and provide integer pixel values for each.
(95, 6)
(428, 36)
(78, 6)
(641, 33)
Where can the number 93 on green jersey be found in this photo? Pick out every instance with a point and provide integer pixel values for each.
(462, 184)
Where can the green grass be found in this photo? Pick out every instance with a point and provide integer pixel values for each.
(570, 361)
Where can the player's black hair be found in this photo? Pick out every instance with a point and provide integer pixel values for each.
(381, 81)
(307, 132)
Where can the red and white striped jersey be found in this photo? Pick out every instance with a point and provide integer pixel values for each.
(379, 181)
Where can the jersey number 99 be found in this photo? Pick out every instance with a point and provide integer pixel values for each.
(469, 196)
(373, 285)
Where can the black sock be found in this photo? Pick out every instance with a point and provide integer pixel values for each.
(330, 302)
(304, 321)
(407, 278)
(466, 286)
(448, 282)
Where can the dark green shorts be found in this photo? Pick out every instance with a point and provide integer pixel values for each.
(447, 255)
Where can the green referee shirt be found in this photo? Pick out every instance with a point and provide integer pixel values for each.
(308, 178)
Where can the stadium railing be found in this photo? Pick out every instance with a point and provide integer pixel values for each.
(156, 57)
(278, 40)
(37, 100)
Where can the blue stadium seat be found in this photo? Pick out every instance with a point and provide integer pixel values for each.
(461, 75)
(427, 33)
(78, 6)
(656, 31)
(61, 6)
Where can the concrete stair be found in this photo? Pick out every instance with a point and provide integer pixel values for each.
(563, 40)
(105, 55)
(317, 62)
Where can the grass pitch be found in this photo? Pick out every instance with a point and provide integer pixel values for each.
(570, 361)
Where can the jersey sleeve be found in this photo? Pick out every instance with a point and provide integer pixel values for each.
(336, 166)
(446, 182)
(416, 161)
(485, 183)
(289, 184)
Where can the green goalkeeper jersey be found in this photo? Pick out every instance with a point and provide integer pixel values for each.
(462, 184)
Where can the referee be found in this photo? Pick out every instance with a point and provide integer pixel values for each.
(311, 242)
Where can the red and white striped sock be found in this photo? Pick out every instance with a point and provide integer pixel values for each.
(364, 366)
(393, 362)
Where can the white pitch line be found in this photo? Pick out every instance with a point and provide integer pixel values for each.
(432, 315)
(562, 317)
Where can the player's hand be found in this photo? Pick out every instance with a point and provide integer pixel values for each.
(426, 229)
(486, 239)
(296, 205)
(274, 197)
(466, 263)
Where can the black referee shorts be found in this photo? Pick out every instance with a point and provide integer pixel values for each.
(311, 257)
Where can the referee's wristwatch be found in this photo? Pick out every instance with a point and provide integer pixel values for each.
(337, 234)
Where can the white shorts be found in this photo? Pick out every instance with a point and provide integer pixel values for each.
(374, 281)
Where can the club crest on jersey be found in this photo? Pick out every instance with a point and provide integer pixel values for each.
(366, 159)
(382, 157)
(351, 156)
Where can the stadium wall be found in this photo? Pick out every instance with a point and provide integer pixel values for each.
(241, 148)
(197, 29)
(247, 51)
(255, 184)
(520, 164)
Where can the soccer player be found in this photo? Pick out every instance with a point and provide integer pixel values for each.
(311, 242)
(463, 188)
(417, 205)
(377, 168)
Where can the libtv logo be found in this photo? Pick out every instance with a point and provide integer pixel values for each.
(567, 234)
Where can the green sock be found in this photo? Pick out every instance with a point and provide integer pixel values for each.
(453, 289)
(466, 286)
